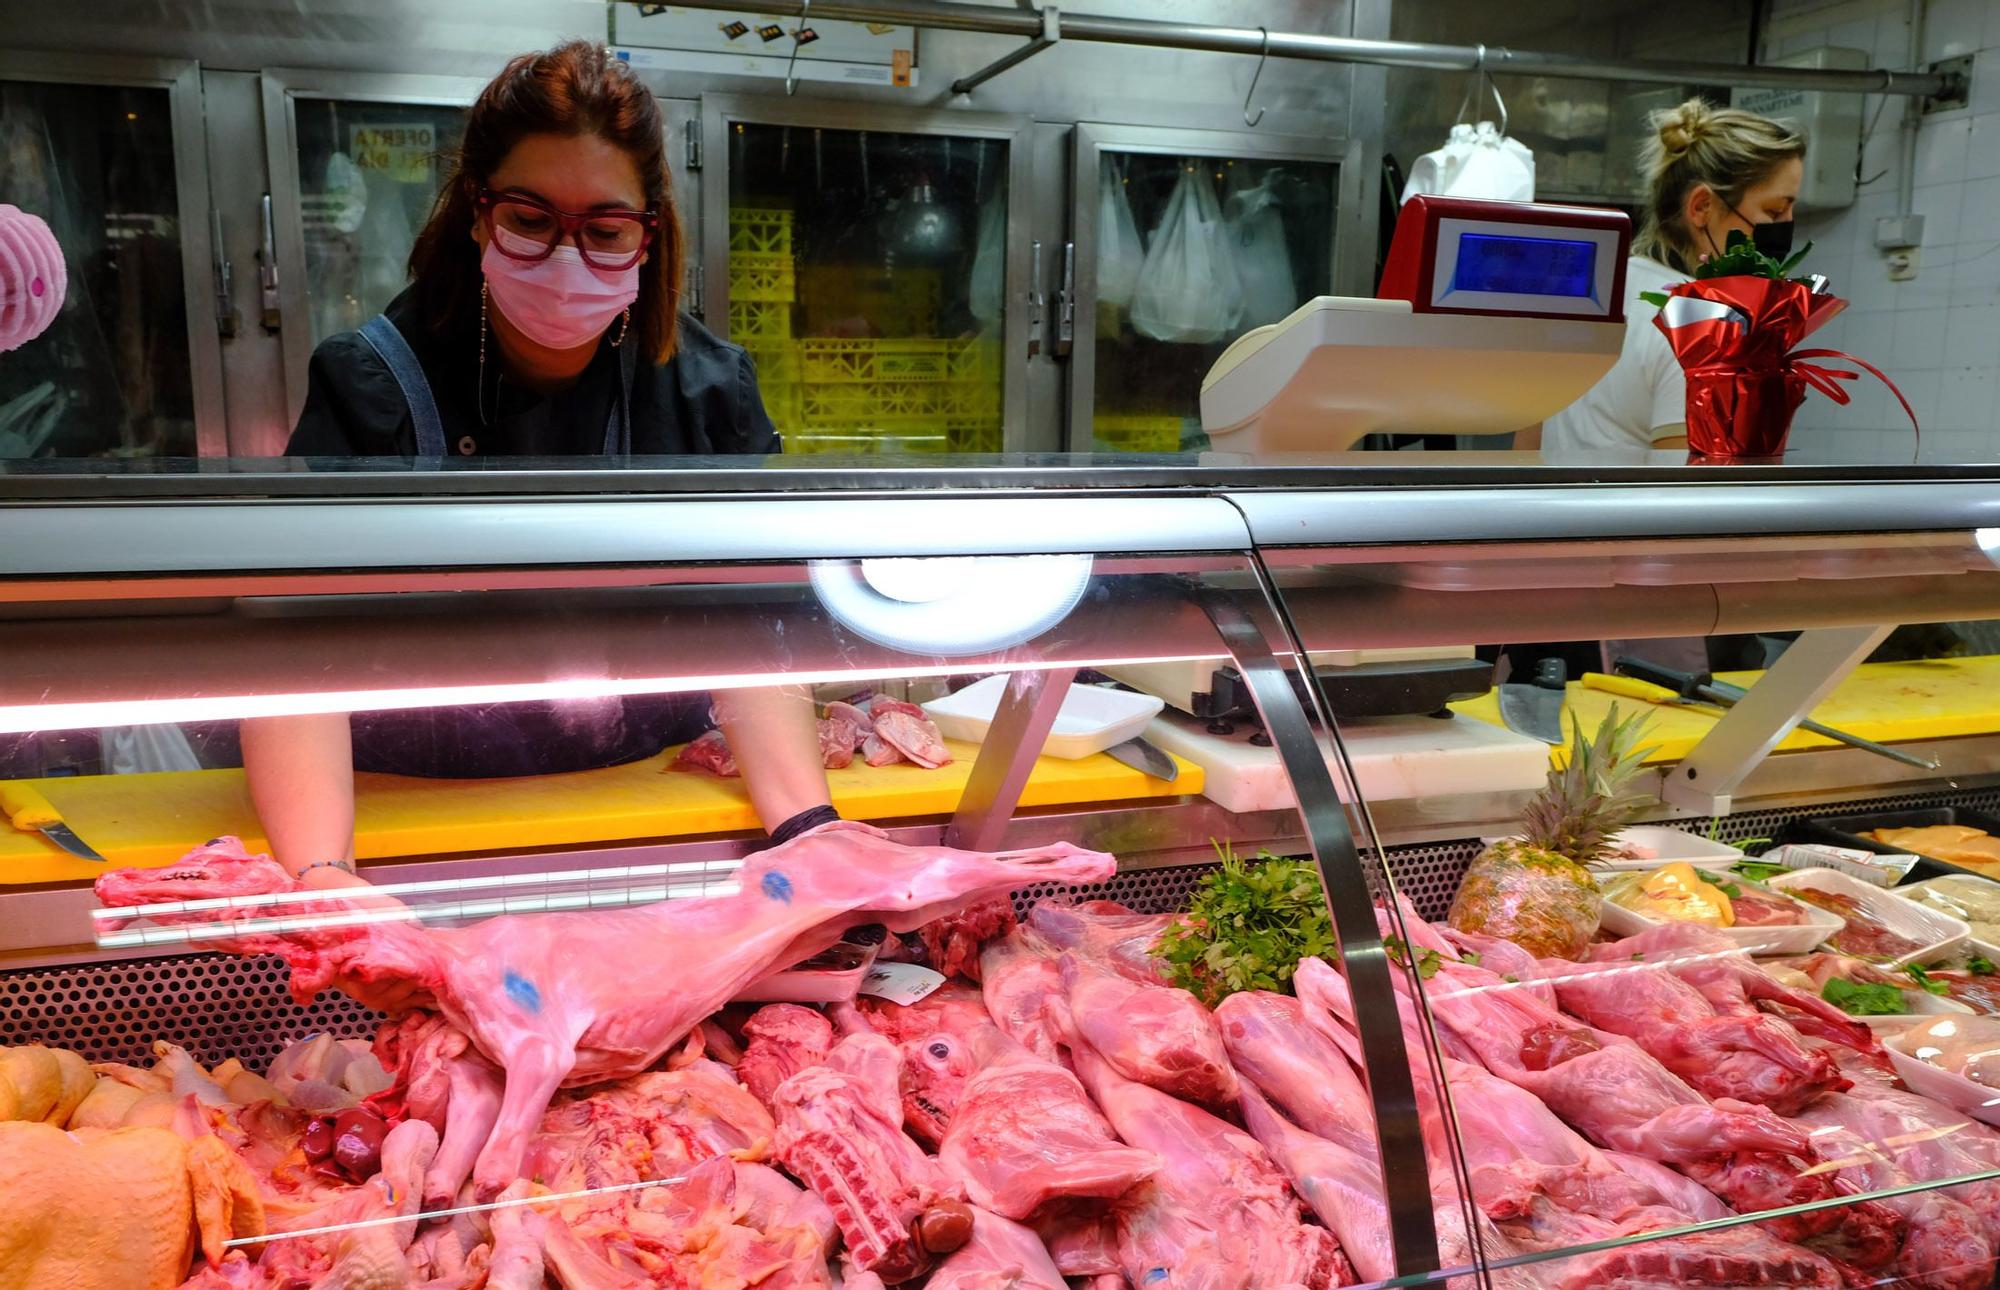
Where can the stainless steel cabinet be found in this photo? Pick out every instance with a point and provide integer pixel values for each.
(1184, 240)
(109, 151)
(876, 264)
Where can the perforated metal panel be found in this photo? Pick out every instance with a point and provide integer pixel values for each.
(218, 1007)
(215, 1007)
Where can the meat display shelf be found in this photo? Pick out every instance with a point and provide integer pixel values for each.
(134, 599)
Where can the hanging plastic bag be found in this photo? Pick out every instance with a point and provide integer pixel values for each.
(1121, 252)
(989, 262)
(1477, 161)
(132, 750)
(1263, 262)
(1189, 290)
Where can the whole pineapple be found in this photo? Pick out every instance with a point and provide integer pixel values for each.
(1536, 890)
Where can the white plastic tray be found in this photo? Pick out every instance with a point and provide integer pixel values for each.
(1955, 1091)
(1923, 1007)
(1939, 934)
(1092, 717)
(1670, 844)
(1799, 939)
(1961, 881)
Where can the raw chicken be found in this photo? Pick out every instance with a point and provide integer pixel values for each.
(94, 1209)
(1000, 1256)
(1968, 1046)
(1218, 1214)
(360, 1250)
(1157, 1035)
(439, 1079)
(840, 1130)
(552, 1016)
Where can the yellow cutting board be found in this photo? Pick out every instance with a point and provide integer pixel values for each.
(1885, 702)
(152, 820)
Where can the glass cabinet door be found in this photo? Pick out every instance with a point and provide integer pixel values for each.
(1185, 240)
(114, 374)
(356, 161)
(867, 272)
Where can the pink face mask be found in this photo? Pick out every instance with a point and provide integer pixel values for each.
(560, 302)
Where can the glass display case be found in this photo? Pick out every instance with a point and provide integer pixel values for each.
(1405, 1050)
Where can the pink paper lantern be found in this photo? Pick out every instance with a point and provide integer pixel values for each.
(32, 277)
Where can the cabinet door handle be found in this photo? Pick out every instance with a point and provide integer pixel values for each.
(267, 271)
(1066, 303)
(1036, 300)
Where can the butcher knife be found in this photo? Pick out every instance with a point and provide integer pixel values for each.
(30, 812)
(1145, 758)
(1723, 694)
(1535, 708)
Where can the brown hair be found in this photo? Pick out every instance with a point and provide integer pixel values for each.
(573, 89)
(1727, 150)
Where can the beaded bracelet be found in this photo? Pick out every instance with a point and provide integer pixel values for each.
(345, 866)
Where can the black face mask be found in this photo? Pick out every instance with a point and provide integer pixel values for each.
(1773, 239)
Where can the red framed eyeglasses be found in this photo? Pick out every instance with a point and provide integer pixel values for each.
(606, 239)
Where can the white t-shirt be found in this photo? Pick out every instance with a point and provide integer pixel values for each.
(1643, 392)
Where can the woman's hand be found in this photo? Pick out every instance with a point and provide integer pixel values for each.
(392, 997)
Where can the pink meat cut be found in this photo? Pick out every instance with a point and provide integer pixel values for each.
(1023, 990)
(780, 1040)
(1748, 1056)
(1157, 1035)
(840, 1129)
(1106, 933)
(1219, 1214)
(953, 942)
(1000, 1256)
(558, 999)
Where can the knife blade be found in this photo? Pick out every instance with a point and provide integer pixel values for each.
(1535, 708)
(1145, 757)
(30, 812)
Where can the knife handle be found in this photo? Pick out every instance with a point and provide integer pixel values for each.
(1680, 683)
(25, 808)
(1629, 686)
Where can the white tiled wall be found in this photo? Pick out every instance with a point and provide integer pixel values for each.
(1937, 336)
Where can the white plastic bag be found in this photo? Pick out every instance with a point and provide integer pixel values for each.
(1478, 162)
(1263, 261)
(989, 262)
(1121, 252)
(1188, 287)
(132, 750)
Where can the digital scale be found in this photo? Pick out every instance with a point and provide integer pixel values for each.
(1491, 317)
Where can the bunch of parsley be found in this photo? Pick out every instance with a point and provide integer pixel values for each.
(1740, 258)
(1247, 927)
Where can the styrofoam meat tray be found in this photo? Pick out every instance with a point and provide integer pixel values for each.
(1940, 1085)
(1938, 934)
(1663, 845)
(1091, 719)
(1923, 1006)
(1961, 882)
(1798, 939)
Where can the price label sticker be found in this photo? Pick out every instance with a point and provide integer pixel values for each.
(903, 983)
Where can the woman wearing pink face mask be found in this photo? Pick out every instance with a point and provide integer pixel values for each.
(541, 320)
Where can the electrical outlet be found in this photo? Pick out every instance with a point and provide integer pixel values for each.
(1903, 264)
(1894, 232)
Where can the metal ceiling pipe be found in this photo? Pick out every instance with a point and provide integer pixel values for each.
(944, 15)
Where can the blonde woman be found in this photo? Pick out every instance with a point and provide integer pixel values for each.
(1712, 171)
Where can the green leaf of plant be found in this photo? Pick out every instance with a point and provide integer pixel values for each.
(1861, 999)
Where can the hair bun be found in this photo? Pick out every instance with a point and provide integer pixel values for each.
(1680, 128)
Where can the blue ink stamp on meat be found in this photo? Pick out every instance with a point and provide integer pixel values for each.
(778, 887)
(523, 992)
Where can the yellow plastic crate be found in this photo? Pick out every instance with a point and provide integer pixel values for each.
(760, 230)
(765, 276)
(877, 361)
(1137, 433)
(753, 320)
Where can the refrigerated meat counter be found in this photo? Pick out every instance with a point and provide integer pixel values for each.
(619, 1070)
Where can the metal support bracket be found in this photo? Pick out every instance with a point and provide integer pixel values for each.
(1803, 675)
(1385, 1059)
(1007, 757)
(1051, 33)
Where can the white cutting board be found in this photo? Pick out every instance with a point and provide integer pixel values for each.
(1394, 758)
